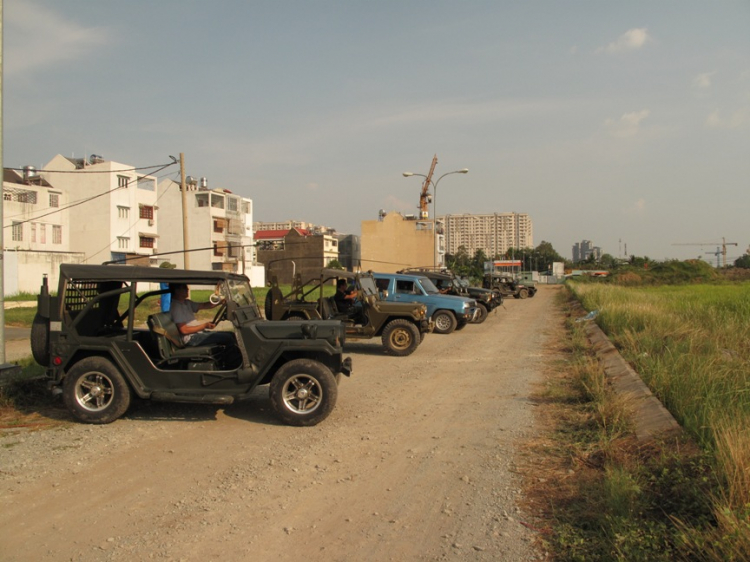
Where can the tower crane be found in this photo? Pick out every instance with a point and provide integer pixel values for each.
(424, 196)
(719, 251)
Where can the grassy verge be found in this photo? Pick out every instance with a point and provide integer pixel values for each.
(604, 496)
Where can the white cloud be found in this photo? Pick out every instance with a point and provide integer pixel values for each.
(631, 40)
(703, 81)
(628, 125)
(736, 120)
(37, 37)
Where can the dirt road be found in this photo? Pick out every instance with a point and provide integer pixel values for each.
(415, 463)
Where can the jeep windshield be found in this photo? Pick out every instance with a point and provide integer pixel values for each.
(241, 293)
(367, 284)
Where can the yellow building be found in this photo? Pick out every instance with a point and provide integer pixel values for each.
(396, 241)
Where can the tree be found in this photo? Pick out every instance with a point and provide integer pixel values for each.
(743, 262)
(334, 264)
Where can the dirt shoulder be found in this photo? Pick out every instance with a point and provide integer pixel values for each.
(417, 462)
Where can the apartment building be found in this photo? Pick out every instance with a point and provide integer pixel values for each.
(113, 208)
(36, 231)
(288, 252)
(492, 233)
(584, 249)
(291, 224)
(219, 227)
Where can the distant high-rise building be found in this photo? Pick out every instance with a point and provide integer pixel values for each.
(584, 249)
(493, 233)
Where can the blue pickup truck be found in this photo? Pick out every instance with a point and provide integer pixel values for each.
(447, 312)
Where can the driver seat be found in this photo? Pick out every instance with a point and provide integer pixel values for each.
(170, 344)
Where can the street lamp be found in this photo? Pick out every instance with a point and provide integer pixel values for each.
(434, 203)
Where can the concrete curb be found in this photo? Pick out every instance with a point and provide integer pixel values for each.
(652, 420)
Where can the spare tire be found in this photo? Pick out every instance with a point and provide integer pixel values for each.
(40, 340)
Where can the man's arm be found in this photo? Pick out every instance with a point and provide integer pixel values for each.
(187, 329)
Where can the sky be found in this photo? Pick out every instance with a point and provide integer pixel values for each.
(623, 123)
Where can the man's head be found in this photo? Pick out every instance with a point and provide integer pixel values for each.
(179, 290)
(341, 285)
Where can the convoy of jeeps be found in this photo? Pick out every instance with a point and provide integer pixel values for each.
(100, 354)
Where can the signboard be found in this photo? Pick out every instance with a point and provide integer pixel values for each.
(502, 265)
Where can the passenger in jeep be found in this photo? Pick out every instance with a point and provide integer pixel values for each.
(194, 331)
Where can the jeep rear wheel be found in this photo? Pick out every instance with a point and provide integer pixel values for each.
(445, 322)
(40, 340)
(303, 392)
(401, 337)
(95, 391)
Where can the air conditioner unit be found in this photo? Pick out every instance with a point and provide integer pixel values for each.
(151, 222)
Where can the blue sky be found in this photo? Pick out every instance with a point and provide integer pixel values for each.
(625, 123)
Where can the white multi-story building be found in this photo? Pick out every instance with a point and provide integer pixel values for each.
(219, 222)
(492, 233)
(112, 208)
(36, 231)
(290, 224)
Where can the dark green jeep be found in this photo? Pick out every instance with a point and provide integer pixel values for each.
(103, 340)
(401, 326)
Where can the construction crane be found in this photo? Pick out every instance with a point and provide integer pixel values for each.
(424, 196)
(721, 248)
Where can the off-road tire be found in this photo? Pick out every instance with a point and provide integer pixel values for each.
(95, 391)
(40, 340)
(296, 316)
(523, 293)
(401, 337)
(445, 322)
(303, 392)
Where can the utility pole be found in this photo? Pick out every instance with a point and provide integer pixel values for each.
(2, 216)
(183, 188)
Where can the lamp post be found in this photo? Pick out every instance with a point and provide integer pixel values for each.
(434, 204)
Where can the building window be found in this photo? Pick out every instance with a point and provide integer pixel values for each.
(123, 212)
(232, 204)
(27, 197)
(123, 242)
(56, 234)
(7, 196)
(33, 232)
(42, 233)
(122, 181)
(147, 212)
(17, 232)
(54, 200)
(201, 200)
(217, 201)
(147, 242)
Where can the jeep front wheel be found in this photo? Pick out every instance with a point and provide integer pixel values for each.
(401, 337)
(523, 293)
(482, 313)
(445, 322)
(303, 392)
(95, 391)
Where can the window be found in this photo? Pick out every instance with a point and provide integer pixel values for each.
(42, 233)
(7, 196)
(147, 242)
(17, 231)
(123, 212)
(33, 232)
(146, 212)
(201, 200)
(232, 204)
(123, 242)
(217, 201)
(56, 234)
(122, 181)
(54, 200)
(27, 197)
(405, 287)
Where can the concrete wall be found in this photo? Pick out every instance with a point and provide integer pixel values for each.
(396, 243)
(23, 270)
(305, 255)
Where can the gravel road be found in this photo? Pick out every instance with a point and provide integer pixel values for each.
(417, 462)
